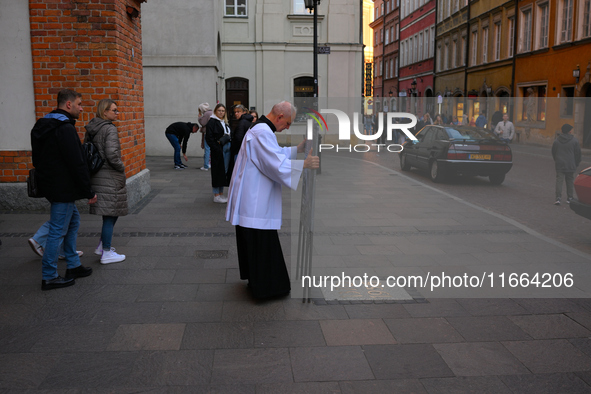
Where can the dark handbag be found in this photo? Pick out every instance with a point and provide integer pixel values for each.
(224, 139)
(93, 157)
(32, 185)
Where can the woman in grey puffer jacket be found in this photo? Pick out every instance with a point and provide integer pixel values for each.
(109, 181)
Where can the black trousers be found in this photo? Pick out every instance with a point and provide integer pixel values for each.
(261, 262)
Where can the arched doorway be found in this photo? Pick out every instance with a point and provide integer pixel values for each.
(236, 93)
(303, 92)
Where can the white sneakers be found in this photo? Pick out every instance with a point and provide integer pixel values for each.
(109, 256)
(220, 199)
(204, 169)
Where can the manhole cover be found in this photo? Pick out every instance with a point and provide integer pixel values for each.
(211, 254)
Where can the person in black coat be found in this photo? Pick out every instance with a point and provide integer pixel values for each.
(245, 121)
(215, 129)
(178, 134)
(63, 178)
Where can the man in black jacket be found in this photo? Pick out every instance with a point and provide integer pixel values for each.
(63, 178)
(178, 134)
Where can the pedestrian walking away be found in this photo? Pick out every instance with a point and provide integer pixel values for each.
(63, 178)
(254, 201)
(204, 114)
(178, 135)
(110, 181)
(566, 152)
(481, 120)
(217, 136)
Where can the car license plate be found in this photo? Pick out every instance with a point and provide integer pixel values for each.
(479, 157)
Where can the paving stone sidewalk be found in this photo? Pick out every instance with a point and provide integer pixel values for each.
(175, 317)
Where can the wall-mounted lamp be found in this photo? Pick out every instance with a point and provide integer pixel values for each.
(390, 93)
(132, 12)
(577, 73)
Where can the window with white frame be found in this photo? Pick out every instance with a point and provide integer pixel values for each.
(474, 47)
(396, 67)
(542, 20)
(439, 60)
(411, 57)
(387, 36)
(387, 69)
(391, 68)
(375, 38)
(426, 44)
(420, 51)
(448, 8)
(497, 41)
(440, 10)
(416, 50)
(446, 56)
(510, 47)
(235, 8)
(381, 68)
(402, 9)
(456, 5)
(391, 34)
(381, 35)
(375, 13)
(485, 45)
(525, 34)
(565, 21)
(454, 53)
(397, 31)
(584, 25)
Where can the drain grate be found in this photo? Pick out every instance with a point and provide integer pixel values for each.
(211, 254)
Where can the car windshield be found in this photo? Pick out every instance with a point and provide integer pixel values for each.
(468, 134)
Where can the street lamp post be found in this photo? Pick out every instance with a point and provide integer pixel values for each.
(312, 6)
(413, 103)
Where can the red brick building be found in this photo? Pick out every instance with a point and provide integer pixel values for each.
(417, 36)
(94, 48)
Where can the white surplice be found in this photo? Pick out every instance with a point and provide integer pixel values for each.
(262, 167)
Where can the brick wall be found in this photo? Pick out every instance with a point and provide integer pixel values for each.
(95, 48)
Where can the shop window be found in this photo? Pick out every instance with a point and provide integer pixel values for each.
(534, 103)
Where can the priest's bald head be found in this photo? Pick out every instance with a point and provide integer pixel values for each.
(282, 115)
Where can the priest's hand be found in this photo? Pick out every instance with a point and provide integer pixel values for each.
(312, 162)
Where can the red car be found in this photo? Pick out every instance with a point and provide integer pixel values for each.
(582, 206)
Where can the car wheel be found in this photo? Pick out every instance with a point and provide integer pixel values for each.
(404, 166)
(496, 179)
(435, 172)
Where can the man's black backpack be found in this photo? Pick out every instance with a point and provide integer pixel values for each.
(92, 155)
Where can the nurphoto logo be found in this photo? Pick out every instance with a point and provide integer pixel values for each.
(393, 122)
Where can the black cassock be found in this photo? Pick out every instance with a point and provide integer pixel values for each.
(261, 262)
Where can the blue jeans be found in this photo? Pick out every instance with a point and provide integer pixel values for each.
(41, 237)
(64, 222)
(107, 231)
(207, 155)
(174, 141)
(218, 190)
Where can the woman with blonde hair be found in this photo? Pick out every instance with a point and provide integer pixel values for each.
(217, 136)
(109, 181)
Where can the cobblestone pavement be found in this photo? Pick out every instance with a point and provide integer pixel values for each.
(175, 317)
